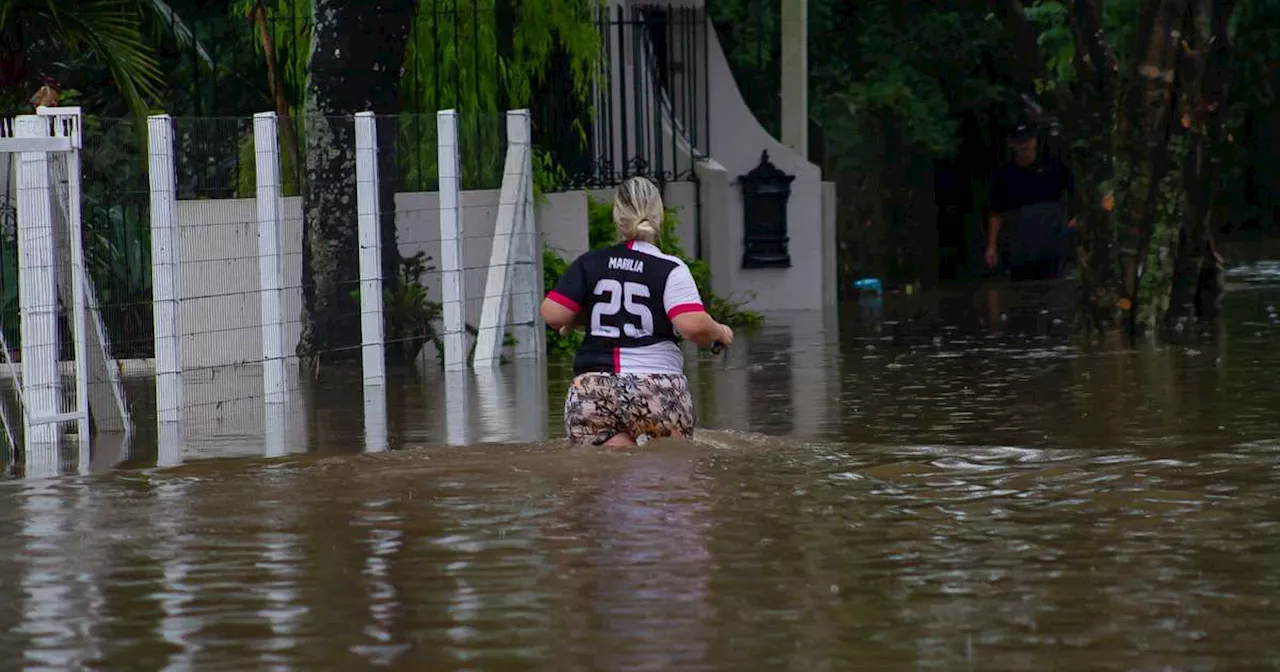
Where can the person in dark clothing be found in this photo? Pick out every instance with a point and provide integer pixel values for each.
(1029, 200)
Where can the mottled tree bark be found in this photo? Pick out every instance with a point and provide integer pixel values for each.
(358, 54)
(1198, 281)
(1141, 141)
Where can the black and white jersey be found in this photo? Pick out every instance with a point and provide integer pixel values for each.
(630, 293)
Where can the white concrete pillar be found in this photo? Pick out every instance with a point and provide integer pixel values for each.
(270, 270)
(453, 288)
(526, 281)
(375, 418)
(164, 268)
(369, 223)
(795, 76)
(275, 424)
(498, 289)
(497, 413)
(169, 444)
(457, 409)
(37, 281)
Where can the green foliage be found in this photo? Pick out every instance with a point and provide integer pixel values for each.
(408, 315)
(118, 258)
(1051, 20)
(109, 32)
(289, 25)
(451, 62)
(454, 61)
(1055, 41)
(905, 72)
(601, 233)
(247, 168)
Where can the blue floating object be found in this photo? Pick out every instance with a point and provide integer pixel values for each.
(869, 285)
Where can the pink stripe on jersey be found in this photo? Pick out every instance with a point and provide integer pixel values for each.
(564, 300)
(685, 308)
(617, 360)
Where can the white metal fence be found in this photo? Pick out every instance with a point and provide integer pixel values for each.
(227, 269)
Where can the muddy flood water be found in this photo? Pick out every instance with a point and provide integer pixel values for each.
(940, 482)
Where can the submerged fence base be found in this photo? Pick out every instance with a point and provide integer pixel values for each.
(243, 257)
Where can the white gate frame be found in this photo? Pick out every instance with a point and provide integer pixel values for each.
(106, 400)
(33, 139)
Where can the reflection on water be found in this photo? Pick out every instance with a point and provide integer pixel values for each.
(941, 483)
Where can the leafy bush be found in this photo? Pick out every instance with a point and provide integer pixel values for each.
(600, 234)
(408, 316)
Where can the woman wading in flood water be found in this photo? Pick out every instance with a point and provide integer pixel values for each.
(636, 304)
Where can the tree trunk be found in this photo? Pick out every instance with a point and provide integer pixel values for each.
(1141, 150)
(355, 66)
(279, 99)
(1198, 272)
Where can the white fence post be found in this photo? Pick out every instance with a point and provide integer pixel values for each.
(102, 392)
(457, 404)
(38, 279)
(164, 268)
(67, 167)
(369, 225)
(453, 286)
(267, 162)
(526, 285)
(493, 314)
(375, 418)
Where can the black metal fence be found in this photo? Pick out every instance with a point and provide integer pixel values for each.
(651, 108)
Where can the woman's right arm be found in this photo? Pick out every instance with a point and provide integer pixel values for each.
(563, 306)
(702, 329)
(687, 314)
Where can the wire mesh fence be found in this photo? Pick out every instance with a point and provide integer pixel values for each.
(416, 299)
(219, 312)
(221, 253)
(117, 238)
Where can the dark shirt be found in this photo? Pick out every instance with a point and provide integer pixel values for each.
(1013, 186)
(633, 292)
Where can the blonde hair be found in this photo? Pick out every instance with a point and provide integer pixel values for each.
(637, 210)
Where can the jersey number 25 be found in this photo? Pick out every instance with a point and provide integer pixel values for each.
(621, 297)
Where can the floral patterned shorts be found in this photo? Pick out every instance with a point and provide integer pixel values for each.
(601, 405)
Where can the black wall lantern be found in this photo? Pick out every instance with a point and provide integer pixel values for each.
(765, 192)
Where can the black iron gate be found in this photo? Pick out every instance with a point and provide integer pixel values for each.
(650, 112)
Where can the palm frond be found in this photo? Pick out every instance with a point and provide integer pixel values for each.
(109, 31)
(181, 32)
